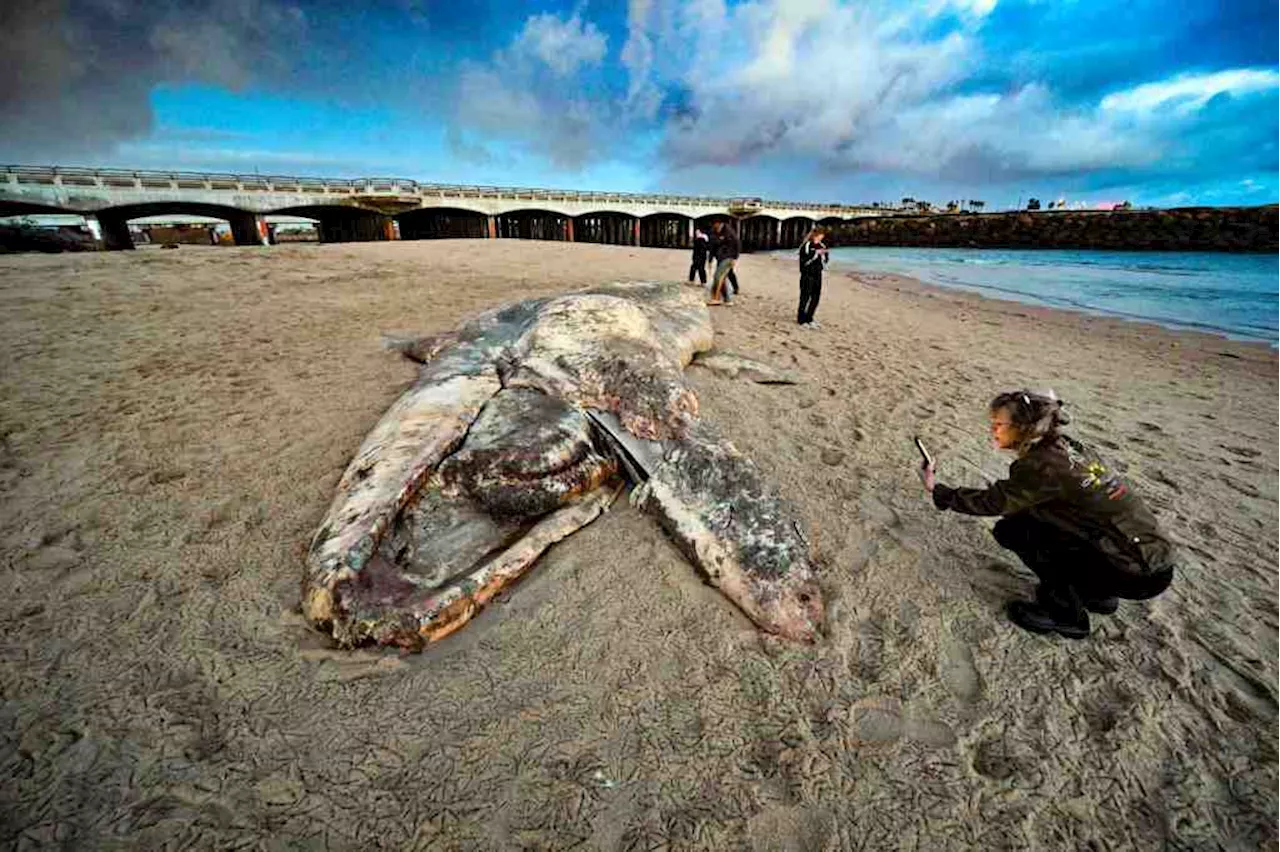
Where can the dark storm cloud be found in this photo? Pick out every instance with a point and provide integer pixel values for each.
(80, 73)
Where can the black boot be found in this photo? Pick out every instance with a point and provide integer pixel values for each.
(1037, 619)
(1102, 606)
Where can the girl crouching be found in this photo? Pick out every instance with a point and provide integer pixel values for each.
(1072, 520)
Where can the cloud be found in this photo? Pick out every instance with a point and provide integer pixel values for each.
(904, 92)
(80, 73)
(1187, 93)
(564, 46)
(810, 79)
(537, 93)
(822, 98)
(764, 92)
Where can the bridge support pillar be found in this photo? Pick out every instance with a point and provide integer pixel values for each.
(248, 229)
(493, 227)
(635, 233)
(115, 232)
(568, 229)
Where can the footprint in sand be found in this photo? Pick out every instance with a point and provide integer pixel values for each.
(875, 721)
(53, 558)
(997, 759)
(957, 670)
(869, 656)
(60, 558)
(878, 513)
(882, 720)
(930, 732)
(1105, 706)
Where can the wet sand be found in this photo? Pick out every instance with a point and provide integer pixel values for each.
(174, 423)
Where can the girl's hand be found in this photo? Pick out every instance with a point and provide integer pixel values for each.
(927, 477)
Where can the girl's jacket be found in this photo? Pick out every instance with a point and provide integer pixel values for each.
(1065, 483)
(812, 258)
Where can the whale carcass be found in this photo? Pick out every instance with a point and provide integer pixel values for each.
(525, 423)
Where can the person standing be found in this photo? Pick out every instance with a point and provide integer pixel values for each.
(727, 248)
(813, 259)
(698, 266)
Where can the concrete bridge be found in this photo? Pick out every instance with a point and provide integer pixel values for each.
(379, 209)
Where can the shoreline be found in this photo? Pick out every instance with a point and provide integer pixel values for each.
(1012, 297)
(1016, 308)
(174, 425)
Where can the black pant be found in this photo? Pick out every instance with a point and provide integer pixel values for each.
(810, 293)
(1070, 568)
(698, 267)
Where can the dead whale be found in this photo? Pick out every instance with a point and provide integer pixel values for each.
(525, 423)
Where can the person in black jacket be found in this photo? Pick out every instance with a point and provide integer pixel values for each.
(698, 266)
(727, 248)
(813, 259)
(1067, 515)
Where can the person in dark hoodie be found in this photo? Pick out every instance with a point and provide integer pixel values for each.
(727, 248)
(1068, 516)
(698, 264)
(813, 259)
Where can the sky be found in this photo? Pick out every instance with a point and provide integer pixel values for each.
(1156, 103)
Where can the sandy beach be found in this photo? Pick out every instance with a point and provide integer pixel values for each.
(174, 424)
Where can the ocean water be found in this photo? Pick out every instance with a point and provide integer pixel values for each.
(1237, 295)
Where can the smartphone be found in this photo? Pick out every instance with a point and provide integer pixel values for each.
(924, 454)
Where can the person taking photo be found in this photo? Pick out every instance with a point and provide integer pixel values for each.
(813, 259)
(1069, 517)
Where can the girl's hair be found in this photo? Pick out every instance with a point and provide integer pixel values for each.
(814, 231)
(1035, 415)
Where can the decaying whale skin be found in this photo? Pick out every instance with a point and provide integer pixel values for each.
(524, 425)
(715, 506)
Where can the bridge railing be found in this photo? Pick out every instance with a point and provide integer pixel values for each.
(154, 179)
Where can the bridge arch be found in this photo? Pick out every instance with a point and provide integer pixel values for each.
(759, 232)
(437, 223)
(832, 224)
(533, 224)
(794, 231)
(343, 223)
(160, 208)
(666, 230)
(606, 226)
(246, 227)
